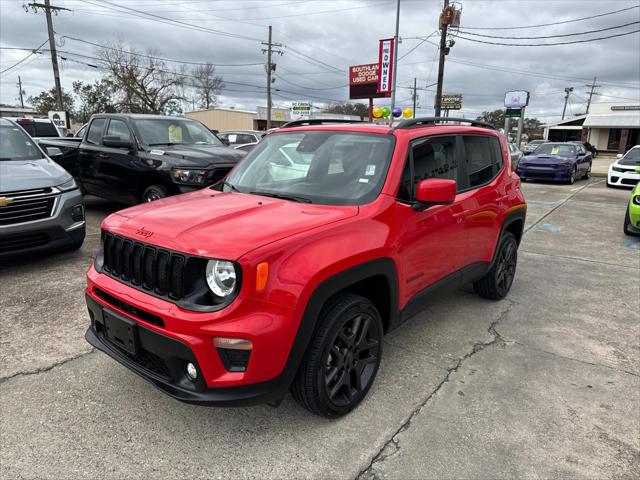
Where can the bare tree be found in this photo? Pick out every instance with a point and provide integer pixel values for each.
(141, 83)
(207, 85)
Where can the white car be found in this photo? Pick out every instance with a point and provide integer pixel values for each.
(622, 172)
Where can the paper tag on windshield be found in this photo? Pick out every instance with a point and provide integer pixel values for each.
(363, 180)
(157, 152)
(554, 150)
(370, 170)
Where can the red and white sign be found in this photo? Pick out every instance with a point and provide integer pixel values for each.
(385, 66)
(359, 74)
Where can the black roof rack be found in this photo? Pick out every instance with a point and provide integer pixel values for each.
(318, 121)
(421, 122)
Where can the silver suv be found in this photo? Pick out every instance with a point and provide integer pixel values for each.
(41, 207)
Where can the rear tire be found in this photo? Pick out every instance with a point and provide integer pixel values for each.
(627, 225)
(153, 193)
(587, 174)
(343, 358)
(497, 282)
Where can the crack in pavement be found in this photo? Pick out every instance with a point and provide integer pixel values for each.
(579, 259)
(46, 369)
(392, 446)
(575, 359)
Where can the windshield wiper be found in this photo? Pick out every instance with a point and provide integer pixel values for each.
(283, 196)
(230, 185)
(170, 144)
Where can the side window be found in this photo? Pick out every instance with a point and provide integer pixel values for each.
(95, 131)
(118, 128)
(434, 157)
(80, 133)
(483, 159)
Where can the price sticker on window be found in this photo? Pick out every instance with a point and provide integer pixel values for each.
(554, 150)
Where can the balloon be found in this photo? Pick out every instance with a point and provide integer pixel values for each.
(397, 112)
(407, 113)
(386, 112)
(377, 112)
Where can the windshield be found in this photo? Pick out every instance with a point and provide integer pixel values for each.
(325, 167)
(556, 150)
(171, 131)
(631, 158)
(17, 145)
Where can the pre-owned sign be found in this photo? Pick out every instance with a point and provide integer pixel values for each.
(363, 82)
(385, 65)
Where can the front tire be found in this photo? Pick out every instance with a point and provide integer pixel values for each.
(153, 193)
(497, 282)
(627, 225)
(343, 358)
(572, 177)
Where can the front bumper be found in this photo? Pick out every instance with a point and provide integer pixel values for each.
(553, 174)
(622, 179)
(57, 232)
(170, 337)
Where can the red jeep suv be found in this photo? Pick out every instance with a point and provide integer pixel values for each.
(287, 274)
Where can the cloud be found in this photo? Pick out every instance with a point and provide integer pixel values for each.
(348, 34)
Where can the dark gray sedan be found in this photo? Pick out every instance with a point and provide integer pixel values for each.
(41, 207)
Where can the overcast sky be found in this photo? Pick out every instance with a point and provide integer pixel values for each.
(321, 38)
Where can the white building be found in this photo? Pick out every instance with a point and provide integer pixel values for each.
(610, 126)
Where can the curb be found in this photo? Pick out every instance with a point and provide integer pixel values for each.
(599, 174)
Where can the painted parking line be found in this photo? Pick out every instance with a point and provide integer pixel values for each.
(632, 244)
(548, 227)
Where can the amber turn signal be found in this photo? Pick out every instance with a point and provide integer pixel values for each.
(233, 343)
(262, 274)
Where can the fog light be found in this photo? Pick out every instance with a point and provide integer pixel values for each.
(77, 213)
(192, 372)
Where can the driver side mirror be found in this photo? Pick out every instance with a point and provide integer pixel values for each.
(435, 191)
(114, 141)
(619, 155)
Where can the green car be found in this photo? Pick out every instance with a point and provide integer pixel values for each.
(632, 218)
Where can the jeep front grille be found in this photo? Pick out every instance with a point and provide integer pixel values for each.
(143, 266)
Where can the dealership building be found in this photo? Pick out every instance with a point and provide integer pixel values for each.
(611, 126)
(222, 119)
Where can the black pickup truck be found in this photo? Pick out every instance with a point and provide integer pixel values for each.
(134, 158)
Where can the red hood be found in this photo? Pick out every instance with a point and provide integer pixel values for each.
(220, 225)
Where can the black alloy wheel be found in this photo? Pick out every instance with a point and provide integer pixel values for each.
(572, 177)
(587, 175)
(498, 280)
(153, 193)
(352, 360)
(342, 359)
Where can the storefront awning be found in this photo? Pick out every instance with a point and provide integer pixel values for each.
(616, 120)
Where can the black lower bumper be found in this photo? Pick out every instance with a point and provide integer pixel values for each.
(162, 361)
(50, 239)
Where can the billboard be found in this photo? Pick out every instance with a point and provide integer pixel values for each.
(516, 99)
(385, 66)
(363, 82)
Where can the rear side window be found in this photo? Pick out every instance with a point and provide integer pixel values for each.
(95, 131)
(118, 128)
(45, 129)
(433, 157)
(483, 159)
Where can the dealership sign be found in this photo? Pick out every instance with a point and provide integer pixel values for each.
(59, 119)
(363, 81)
(451, 101)
(300, 110)
(516, 99)
(385, 66)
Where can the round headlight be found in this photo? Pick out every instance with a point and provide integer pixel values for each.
(221, 277)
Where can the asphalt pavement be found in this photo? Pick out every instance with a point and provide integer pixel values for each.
(545, 383)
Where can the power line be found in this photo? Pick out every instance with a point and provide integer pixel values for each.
(33, 52)
(554, 23)
(548, 44)
(551, 36)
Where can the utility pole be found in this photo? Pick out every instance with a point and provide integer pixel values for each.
(567, 92)
(593, 86)
(415, 95)
(52, 44)
(270, 67)
(395, 63)
(20, 92)
(443, 46)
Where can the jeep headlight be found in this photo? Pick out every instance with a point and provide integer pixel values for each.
(221, 277)
(189, 176)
